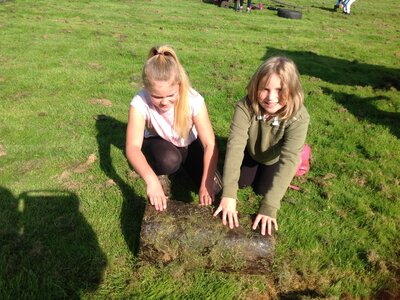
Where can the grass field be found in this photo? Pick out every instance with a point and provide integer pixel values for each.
(70, 207)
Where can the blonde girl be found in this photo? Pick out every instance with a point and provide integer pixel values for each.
(169, 128)
(267, 135)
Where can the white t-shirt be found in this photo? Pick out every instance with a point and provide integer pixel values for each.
(162, 124)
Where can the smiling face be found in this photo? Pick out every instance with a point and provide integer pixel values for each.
(270, 96)
(164, 95)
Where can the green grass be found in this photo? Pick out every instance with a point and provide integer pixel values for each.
(69, 226)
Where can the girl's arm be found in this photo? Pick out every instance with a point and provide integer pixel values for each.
(135, 156)
(293, 142)
(210, 158)
(237, 141)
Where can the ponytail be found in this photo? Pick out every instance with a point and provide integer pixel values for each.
(163, 65)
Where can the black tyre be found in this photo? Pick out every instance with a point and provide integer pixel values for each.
(288, 13)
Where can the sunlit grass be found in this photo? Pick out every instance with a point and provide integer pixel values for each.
(70, 209)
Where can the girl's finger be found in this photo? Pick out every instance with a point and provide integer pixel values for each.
(164, 202)
(269, 226)
(224, 217)
(235, 218)
(156, 203)
(256, 221)
(217, 211)
(263, 225)
(230, 220)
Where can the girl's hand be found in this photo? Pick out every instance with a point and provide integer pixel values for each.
(266, 221)
(228, 208)
(156, 195)
(206, 195)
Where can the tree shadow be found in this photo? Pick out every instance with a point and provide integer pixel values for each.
(341, 71)
(47, 248)
(364, 109)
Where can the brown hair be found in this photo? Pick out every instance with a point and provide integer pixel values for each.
(291, 90)
(163, 65)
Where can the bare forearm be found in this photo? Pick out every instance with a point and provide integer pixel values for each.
(210, 160)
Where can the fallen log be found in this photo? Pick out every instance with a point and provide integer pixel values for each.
(189, 235)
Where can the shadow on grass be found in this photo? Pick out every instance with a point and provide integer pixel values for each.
(364, 108)
(47, 249)
(341, 71)
(111, 132)
(327, 8)
(211, 2)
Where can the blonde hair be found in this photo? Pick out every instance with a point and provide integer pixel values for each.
(291, 90)
(163, 65)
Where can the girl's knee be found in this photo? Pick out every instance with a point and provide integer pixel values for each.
(169, 162)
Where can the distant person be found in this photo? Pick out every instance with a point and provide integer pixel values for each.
(239, 8)
(339, 4)
(347, 6)
(266, 138)
(169, 127)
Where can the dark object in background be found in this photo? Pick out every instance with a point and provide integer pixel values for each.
(188, 234)
(288, 13)
(227, 3)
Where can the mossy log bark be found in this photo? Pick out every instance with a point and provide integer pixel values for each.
(189, 235)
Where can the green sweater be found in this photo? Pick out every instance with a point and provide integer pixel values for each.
(267, 143)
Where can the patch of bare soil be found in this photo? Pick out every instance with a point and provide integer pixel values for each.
(133, 175)
(101, 101)
(2, 150)
(270, 294)
(95, 66)
(82, 168)
(120, 36)
(136, 81)
(110, 182)
(65, 179)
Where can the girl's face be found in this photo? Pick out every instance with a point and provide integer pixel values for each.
(269, 96)
(164, 95)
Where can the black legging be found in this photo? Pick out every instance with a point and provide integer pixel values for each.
(165, 158)
(259, 176)
(248, 2)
